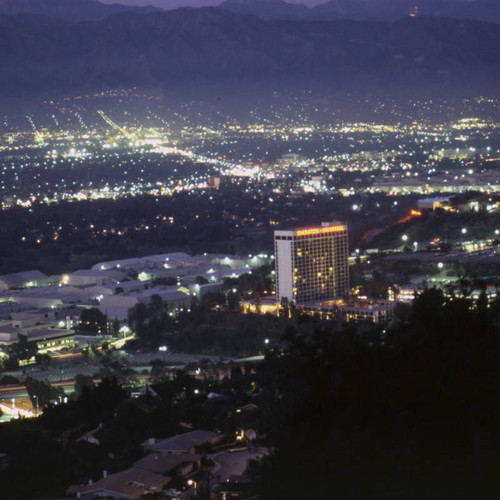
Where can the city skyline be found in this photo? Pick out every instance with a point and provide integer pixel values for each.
(250, 251)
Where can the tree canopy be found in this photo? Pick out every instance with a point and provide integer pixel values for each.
(411, 412)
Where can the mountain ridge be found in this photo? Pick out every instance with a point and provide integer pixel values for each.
(77, 10)
(364, 10)
(210, 47)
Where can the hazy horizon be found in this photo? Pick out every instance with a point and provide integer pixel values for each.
(173, 4)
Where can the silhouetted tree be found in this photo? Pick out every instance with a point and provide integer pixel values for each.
(82, 383)
(92, 320)
(22, 349)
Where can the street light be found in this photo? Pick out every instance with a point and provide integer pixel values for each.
(404, 237)
(191, 483)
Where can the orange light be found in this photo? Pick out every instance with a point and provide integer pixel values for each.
(416, 212)
(320, 230)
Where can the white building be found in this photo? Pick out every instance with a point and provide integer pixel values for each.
(312, 263)
(25, 279)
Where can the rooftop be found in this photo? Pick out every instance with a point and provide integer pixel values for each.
(161, 462)
(130, 483)
(181, 443)
(24, 277)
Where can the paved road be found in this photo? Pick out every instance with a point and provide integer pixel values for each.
(68, 368)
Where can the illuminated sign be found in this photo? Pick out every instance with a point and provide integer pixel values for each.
(313, 231)
(416, 212)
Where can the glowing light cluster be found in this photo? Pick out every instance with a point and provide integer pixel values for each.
(320, 230)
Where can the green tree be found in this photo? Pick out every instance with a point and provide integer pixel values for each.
(8, 380)
(93, 354)
(43, 361)
(118, 370)
(116, 327)
(92, 320)
(22, 350)
(137, 314)
(11, 363)
(41, 393)
(83, 383)
(158, 371)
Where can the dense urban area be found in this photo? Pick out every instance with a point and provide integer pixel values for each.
(146, 349)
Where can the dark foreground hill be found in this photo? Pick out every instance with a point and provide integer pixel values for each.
(211, 48)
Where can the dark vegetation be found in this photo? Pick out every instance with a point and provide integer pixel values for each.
(443, 226)
(410, 413)
(230, 221)
(406, 411)
(41, 447)
(93, 321)
(213, 326)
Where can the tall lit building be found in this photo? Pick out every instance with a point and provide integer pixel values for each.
(312, 263)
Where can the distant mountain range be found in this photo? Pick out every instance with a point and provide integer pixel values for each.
(366, 10)
(361, 10)
(269, 9)
(82, 10)
(210, 48)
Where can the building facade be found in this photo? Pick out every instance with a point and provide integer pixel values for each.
(312, 263)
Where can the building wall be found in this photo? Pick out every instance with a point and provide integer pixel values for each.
(312, 263)
(284, 267)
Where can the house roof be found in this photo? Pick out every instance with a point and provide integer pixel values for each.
(160, 462)
(181, 443)
(130, 483)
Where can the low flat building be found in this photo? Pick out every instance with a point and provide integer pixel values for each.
(117, 306)
(85, 277)
(266, 304)
(404, 293)
(351, 310)
(431, 204)
(47, 336)
(373, 311)
(23, 280)
(173, 296)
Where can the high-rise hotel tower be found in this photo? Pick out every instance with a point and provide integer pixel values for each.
(311, 263)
